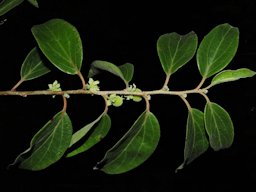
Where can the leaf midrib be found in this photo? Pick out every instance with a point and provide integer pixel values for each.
(209, 64)
(62, 48)
(129, 143)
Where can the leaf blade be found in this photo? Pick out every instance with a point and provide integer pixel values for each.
(33, 66)
(231, 75)
(99, 132)
(34, 3)
(127, 70)
(7, 5)
(219, 126)
(49, 143)
(61, 44)
(135, 147)
(196, 142)
(83, 131)
(105, 66)
(176, 50)
(217, 49)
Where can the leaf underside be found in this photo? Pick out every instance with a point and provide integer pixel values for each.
(125, 71)
(232, 75)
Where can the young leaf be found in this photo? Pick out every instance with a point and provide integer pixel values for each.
(232, 75)
(33, 66)
(127, 70)
(135, 147)
(7, 5)
(34, 3)
(217, 49)
(61, 44)
(110, 67)
(176, 50)
(49, 143)
(196, 141)
(219, 126)
(98, 133)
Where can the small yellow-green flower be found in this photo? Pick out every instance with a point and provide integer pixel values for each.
(55, 86)
(133, 89)
(115, 100)
(92, 85)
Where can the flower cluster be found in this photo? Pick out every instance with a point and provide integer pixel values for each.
(55, 86)
(92, 85)
(115, 100)
(133, 89)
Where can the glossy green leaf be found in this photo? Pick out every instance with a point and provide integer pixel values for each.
(232, 75)
(219, 126)
(7, 5)
(127, 70)
(33, 66)
(217, 49)
(61, 44)
(134, 148)
(176, 50)
(196, 140)
(97, 130)
(49, 143)
(98, 65)
(33, 2)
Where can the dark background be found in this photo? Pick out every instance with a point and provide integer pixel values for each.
(119, 32)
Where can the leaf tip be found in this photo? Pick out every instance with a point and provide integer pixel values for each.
(179, 168)
(96, 167)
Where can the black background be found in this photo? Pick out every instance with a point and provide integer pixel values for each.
(119, 32)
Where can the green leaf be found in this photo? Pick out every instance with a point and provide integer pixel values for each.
(196, 141)
(219, 126)
(33, 66)
(83, 131)
(135, 147)
(232, 75)
(217, 49)
(99, 129)
(98, 65)
(61, 44)
(127, 70)
(7, 5)
(34, 3)
(176, 50)
(49, 143)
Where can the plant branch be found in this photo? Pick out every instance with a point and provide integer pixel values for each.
(102, 93)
